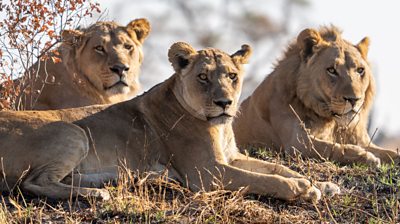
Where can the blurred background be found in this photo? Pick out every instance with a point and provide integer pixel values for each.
(268, 26)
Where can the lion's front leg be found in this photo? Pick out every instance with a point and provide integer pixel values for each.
(346, 153)
(311, 146)
(296, 139)
(386, 155)
(234, 178)
(259, 166)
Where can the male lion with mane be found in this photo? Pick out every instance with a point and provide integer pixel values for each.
(100, 65)
(316, 102)
(182, 125)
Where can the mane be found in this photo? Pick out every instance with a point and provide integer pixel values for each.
(328, 33)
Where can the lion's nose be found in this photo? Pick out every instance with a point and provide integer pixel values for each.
(223, 103)
(119, 69)
(351, 100)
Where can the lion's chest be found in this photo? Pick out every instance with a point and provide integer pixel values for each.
(226, 142)
(322, 130)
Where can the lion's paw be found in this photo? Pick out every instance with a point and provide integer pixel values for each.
(328, 188)
(372, 160)
(310, 192)
(101, 194)
(313, 194)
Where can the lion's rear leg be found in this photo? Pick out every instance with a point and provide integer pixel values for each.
(96, 180)
(64, 147)
(57, 190)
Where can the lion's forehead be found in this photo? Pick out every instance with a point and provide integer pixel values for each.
(345, 54)
(111, 38)
(215, 60)
(103, 26)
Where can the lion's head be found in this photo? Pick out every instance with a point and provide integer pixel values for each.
(208, 81)
(108, 55)
(335, 78)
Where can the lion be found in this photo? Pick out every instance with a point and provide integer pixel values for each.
(315, 102)
(100, 65)
(183, 126)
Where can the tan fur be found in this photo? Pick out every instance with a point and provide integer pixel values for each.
(334, 128)
(88, 75)
(183, 125)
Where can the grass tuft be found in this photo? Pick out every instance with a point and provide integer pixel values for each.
(368, 196)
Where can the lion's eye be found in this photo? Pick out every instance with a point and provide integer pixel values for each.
(128, 47)
(361, 71)
(99, 48)
(233, 76)
(203, 77)
(331, 71)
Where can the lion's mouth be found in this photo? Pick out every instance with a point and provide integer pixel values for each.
(221, 116)
(339, 115)
(119, 83)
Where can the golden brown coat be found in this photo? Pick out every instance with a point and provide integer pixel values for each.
(183, 125)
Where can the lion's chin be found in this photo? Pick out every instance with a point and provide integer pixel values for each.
(220, 119)
(119, 84)
(117, 88)
(345, 112)
(347, 119)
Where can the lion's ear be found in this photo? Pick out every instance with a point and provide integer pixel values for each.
(242, 56)
(179, 55)
(307, 41)
(71, 37)
(363, 47)
(140, 28)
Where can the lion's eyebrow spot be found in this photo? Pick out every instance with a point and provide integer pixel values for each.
(350, 61)
(219, 59)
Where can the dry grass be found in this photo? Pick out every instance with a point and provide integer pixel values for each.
(368, 196)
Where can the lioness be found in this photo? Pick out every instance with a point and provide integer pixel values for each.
(182, 125)
(100, 65)
(316, 101)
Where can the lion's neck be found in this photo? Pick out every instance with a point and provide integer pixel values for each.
(175, 121)
(178, 93)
